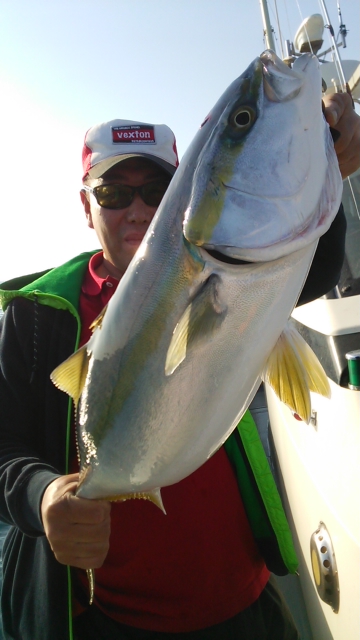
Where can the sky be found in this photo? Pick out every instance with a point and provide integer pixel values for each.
(66, 65)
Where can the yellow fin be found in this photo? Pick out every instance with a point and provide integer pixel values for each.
(97, 324)
(293, 370)
(70, 375)
(316, 376)
(154, 496)
(200, 319)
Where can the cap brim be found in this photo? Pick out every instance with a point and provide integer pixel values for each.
(102, 167)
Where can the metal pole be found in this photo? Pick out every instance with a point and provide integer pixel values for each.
(336, 50)
(268, 30)
(343, 30)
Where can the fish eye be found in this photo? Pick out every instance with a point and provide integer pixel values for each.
(242, 118)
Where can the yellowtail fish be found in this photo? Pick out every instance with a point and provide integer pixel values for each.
(202, 312)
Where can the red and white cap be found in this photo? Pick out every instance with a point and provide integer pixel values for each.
(111, 142)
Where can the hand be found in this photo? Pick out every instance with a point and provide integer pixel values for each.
(78, 530)
(340, 115)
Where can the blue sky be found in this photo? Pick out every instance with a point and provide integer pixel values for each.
(68, 64)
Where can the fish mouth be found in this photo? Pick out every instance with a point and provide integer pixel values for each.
(221, 257)
(264, 196)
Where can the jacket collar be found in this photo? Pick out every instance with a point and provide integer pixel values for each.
(63, 282)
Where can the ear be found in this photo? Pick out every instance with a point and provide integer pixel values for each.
(87, 209)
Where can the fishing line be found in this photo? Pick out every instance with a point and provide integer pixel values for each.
(337, 59)
(304, 26)
(353, 197)
(290, 31)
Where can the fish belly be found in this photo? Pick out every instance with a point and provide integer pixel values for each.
(168, 426)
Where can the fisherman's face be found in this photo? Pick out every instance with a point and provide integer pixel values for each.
(120, 231)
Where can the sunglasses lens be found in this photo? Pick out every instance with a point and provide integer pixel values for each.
(112, 196)
(153, 192)
(120, 196)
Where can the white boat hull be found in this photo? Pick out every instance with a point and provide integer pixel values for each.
(320, 468)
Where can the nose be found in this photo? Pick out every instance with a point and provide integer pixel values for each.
(139, 212)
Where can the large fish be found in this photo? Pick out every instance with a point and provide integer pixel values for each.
(198, 318)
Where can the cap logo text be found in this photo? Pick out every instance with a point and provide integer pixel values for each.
(133, 134)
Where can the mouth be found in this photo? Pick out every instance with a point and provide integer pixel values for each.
(134, 239)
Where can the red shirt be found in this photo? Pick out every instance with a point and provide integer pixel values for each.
(95, 294)
(195, 567)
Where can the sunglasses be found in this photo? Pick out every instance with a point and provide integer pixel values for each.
(120, 196)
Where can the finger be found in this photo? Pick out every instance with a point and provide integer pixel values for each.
(331, 112)
(69, 534)
(82, 511)
(60, 503)
(82, 556)
(67, 483)
(335, 105)
(81, 546)
(348, 164)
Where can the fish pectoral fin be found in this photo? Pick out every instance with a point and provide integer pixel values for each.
(293, 370)
(316, 376)
(285, 373)
(178, 345)
(97, 323)
(200, 320)
(71, 374)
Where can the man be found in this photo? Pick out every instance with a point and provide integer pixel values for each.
(199, 571)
